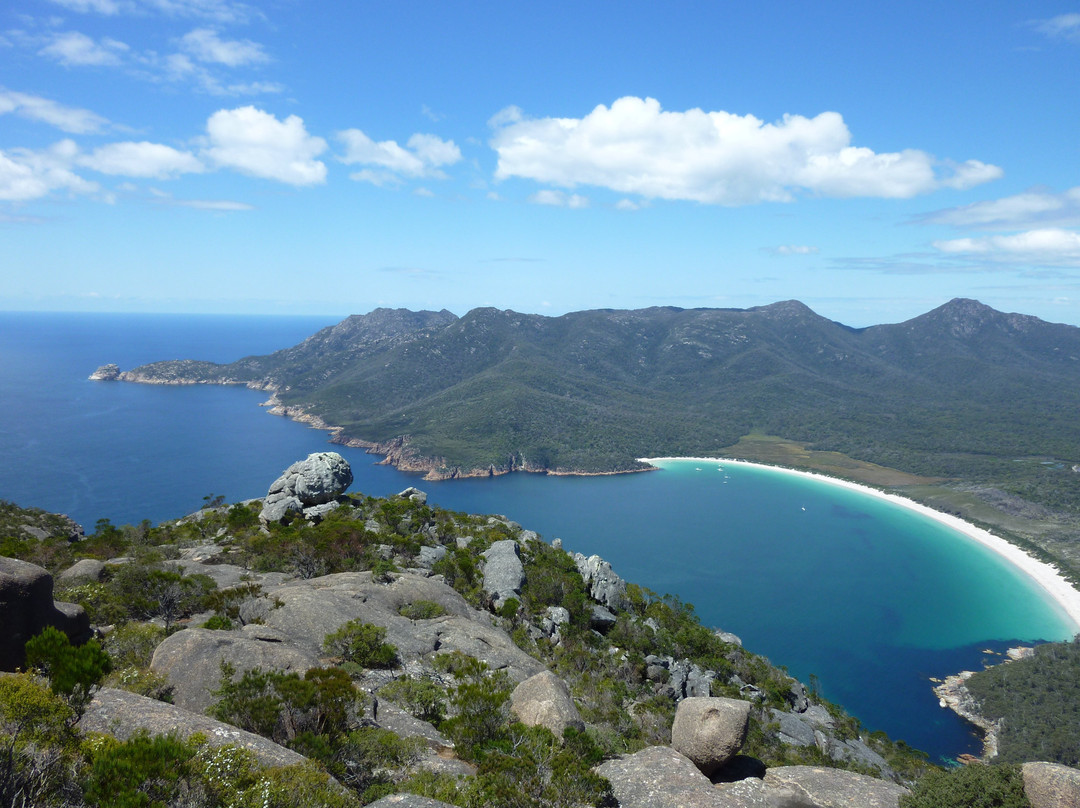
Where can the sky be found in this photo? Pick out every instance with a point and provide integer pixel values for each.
(286, 157)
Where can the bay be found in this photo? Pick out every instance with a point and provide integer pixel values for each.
(869, 597)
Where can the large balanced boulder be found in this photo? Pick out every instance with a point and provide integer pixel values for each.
(27, 607)
(1051, 785)
(710, 731)
(835, 788)
(309, 483)
(544, 700)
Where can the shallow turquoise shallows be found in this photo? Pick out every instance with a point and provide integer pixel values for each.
(869, 597)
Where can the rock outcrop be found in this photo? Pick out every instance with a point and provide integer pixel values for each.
(504, 573)
(122, 714)
(307, 484)
(106, 373)
(603, 585)
(191, 659)
(835, 788)
(710, 731)
(1051, 785)
(660, 776)
(27, 607)
(544, 700)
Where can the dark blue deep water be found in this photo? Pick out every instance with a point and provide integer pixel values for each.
(871, 598)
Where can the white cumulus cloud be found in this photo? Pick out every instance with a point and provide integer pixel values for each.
(44, 110)
(422, 156)
(256, 143)
(141, 159)
(1050, 246)
(205, 45)
(27, 174)
(636, 147)
(75, 49)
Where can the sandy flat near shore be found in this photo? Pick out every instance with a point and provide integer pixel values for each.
(1045, 575)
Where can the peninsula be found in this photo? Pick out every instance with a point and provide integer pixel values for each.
(966, 409)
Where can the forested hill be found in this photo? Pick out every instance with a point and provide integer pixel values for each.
(961, 391)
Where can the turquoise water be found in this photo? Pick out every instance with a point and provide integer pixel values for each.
(870, 597)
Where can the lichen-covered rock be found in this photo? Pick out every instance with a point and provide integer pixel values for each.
(191, 659)
(1051, 785)
(605, 587)
(86, 569)
(316, 480)
(122, 714)
(544, 700)
(835, 788)
(710, 731)
(408, 801)
(657, 777)
(313, 608)
(504, 573)
(27, 607)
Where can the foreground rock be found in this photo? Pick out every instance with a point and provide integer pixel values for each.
(307, 484)
(1051, 785)
(122, 714)
(835, 788)
(659, 776)
(504, 574)
(27, 607)
(544, 700)
(710, 731)
(191, 660)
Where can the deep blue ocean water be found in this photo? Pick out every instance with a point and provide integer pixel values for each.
(871, 598)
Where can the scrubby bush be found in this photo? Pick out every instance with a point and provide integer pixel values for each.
(974, 786)
(74, 671)
(422, 610)
(421, 698)
(362, 644)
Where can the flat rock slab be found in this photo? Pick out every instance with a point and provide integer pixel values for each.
(657, 777)
(312, 609)
(191, 659)
(122, 714)
(408, 801)
(835, 788)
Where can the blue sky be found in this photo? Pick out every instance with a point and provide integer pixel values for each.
(331, 157)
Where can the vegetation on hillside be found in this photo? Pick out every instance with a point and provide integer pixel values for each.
(963, 392)
(1037, 701)
(320, 713)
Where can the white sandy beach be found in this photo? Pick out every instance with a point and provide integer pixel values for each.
(1045, 575)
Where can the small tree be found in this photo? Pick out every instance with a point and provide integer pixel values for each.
(74, 671)
(361, 643)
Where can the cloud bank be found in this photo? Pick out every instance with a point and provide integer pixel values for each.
(635, 147)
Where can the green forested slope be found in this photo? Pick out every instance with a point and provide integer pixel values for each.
(963, 391)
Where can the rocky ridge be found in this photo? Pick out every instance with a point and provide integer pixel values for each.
(692, 747)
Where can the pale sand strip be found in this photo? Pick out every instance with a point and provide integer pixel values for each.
(1045, 575)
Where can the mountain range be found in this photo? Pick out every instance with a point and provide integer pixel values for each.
(961, 391)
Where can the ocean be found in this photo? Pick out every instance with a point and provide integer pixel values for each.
(869, 597)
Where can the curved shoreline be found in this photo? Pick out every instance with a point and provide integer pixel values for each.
(1046, 576)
